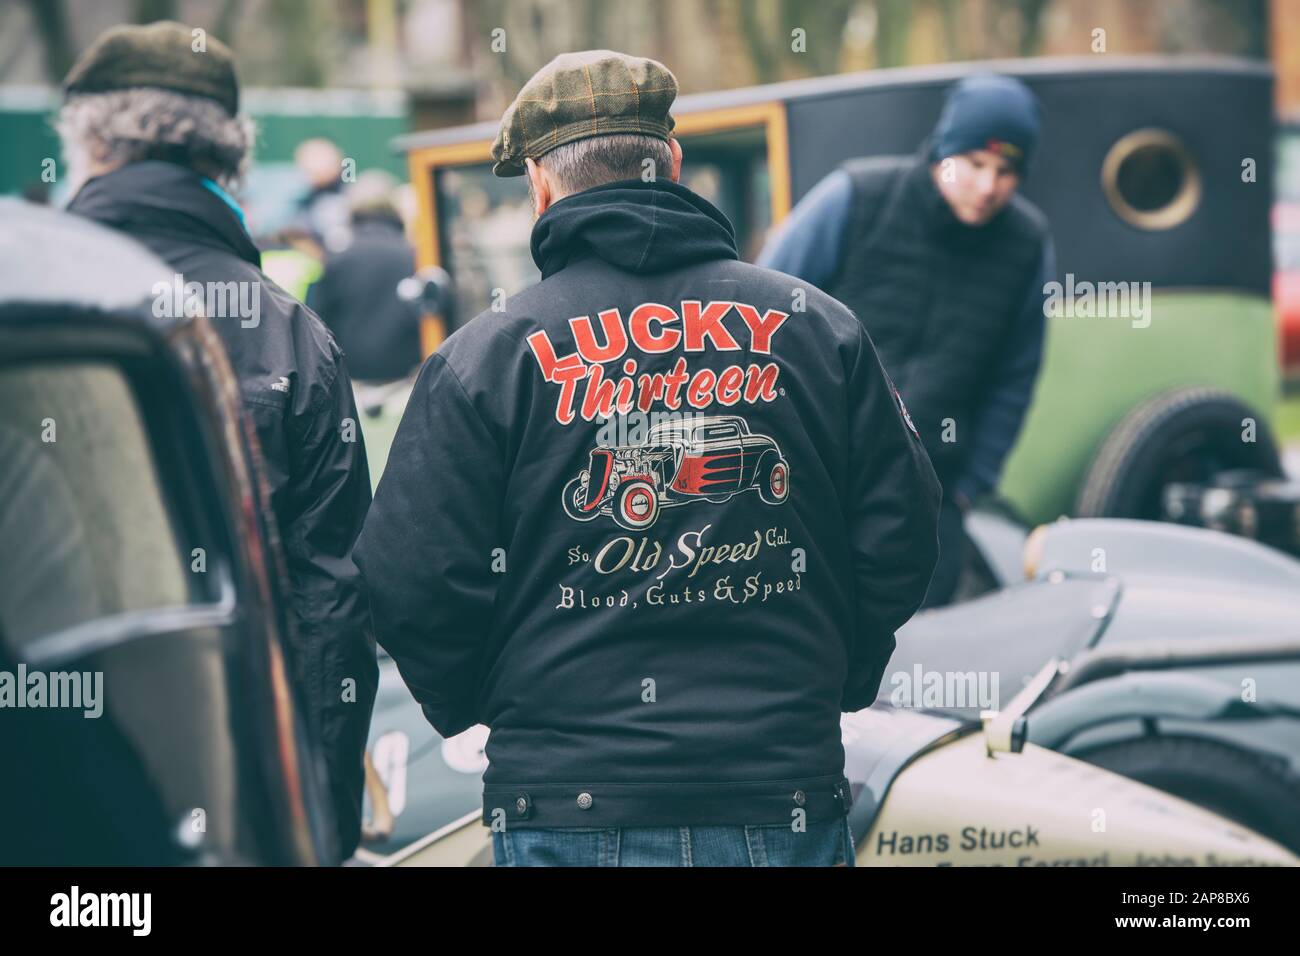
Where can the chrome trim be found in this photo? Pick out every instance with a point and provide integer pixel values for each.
(104, 633)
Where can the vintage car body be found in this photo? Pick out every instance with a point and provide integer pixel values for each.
(144, 556)
(686, 459)
(929, 792)
(1180, 650)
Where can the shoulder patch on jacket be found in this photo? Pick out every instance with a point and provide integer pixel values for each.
(903, 408)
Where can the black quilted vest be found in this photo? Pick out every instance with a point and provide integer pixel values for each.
(937, 297)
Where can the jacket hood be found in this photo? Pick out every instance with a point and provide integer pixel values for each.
(162, 198)
(639, 227)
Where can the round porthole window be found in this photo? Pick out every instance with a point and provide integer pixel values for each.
(1150, 179)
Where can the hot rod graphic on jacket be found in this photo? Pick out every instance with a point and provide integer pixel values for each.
(711, 457)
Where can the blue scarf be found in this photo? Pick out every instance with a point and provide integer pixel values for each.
(226, 198)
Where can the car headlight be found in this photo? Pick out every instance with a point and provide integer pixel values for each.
(584, 476)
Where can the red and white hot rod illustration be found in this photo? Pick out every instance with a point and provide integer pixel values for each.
(709, 457)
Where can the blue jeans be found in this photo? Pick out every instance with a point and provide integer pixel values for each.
(821, 843)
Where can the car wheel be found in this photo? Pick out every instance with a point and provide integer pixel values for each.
(1224, 779)
(573, 496)
(774, 480)
(636, 505)
(1186, 435)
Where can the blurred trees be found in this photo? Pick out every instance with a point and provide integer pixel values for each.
(717, 44)
(710, 44)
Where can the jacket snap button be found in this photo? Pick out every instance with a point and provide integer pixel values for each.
(799, 798)
(521, 804)
(584, 801)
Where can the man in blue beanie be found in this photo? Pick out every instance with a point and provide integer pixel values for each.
(945, 266)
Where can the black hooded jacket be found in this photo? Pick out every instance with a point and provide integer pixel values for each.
(296, 389)
(660, 618)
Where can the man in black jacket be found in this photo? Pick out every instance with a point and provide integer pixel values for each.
(656, 522)
(945, 265)
(356, 295)
(150, 127)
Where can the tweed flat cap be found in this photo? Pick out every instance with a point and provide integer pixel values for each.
(577, 95)
(161, 55)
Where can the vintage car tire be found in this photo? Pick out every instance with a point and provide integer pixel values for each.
(1227, 780)
(766, 467)
(1124, 479)
(628, 495)
(570, 508)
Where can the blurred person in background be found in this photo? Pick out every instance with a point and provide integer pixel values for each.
(323, 210)
(945, 265)
(152, 132)
(496, 515)
(356, 295)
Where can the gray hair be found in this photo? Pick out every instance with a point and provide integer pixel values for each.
(597, 160)
(126, 126)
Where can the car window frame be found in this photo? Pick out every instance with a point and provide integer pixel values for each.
(190, 499)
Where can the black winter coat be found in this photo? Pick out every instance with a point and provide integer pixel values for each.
(357, 298)
(660, 619)
(296, 389)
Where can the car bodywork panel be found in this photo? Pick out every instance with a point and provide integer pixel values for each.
(1111, 586)
(1039, 808)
